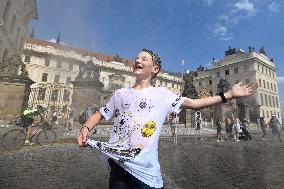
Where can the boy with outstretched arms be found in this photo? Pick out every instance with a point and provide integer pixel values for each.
(138, 114)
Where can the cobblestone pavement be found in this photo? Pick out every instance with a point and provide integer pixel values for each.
(195, 162)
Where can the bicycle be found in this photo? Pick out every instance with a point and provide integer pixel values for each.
(41, 132)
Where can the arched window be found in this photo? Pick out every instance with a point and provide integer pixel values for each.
(263, 84)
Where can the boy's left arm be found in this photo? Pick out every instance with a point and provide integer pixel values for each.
(238, 90)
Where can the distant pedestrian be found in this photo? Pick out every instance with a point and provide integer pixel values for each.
(263, 127)
(59, 116)
(54, 117)
(228, 127)
(275, 125)
(88, 112)
(173, 126)
(258, 122)
(70, 119)
(198, 123)
(237, 128)
(219, 131)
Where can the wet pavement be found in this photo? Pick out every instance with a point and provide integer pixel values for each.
(192, 163)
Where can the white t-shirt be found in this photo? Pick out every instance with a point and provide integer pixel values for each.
(138, 117)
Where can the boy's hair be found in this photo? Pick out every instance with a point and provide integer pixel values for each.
(156, 59)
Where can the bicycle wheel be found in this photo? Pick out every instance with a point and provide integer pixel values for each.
(13, 139)
(46, 137)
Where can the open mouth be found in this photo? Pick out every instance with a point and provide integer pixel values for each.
(138, 67)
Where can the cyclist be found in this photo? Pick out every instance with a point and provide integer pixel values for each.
(28, 119)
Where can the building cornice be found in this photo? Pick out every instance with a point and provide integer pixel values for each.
(238, 58)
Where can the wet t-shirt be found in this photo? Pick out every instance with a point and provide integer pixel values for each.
(138, 116)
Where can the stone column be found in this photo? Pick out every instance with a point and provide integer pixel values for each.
(189, 118)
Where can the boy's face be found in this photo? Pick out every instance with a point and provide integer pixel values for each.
(144, 66)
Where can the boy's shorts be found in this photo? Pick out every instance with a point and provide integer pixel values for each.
(121, 179)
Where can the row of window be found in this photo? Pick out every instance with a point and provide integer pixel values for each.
(265, 84)
(44, 78)
(269, 114)
(47, 63)
(235, 71)
(200, 83)
(267, 100)
(165, 84)
(265, 71)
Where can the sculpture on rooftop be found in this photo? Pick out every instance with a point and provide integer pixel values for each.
(230, 51)
(251, 49)
(262, 51)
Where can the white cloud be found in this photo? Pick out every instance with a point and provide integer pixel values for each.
(244, 5)
(209, 2)
(241, 10)
(54, 41)
(280, 80)
(274, 7)
(221, 31)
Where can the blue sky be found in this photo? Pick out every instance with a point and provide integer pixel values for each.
(191, 30)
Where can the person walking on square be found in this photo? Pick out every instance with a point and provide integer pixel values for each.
(138, 114)
(198, 123)
(219, 131)
(258, 121)
(263, 127)
(173, 126)
(275, 125)
(70, 119)
(228, 127)
(237, 128)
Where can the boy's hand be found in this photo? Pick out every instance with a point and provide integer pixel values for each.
(82, 137)
(239, 89)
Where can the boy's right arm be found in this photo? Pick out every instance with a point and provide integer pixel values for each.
(90, 123)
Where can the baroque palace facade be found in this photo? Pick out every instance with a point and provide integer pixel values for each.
(239, 66)
(53, 67)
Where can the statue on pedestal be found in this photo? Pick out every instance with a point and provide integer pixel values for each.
(190, 92)
(15, 82)
(87, 87)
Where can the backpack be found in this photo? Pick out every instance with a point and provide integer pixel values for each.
(83, 117)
